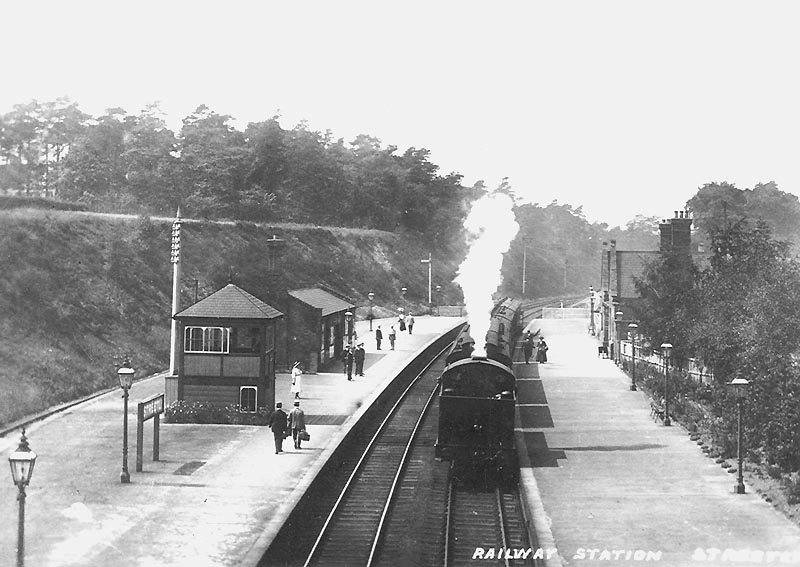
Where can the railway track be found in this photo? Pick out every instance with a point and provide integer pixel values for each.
(355, 532)
(394, 504)
(491, 520)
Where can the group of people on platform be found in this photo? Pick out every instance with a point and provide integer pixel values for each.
(403, 323)
(528, 347)
(284, 424)
(293, 423)
(354, 356)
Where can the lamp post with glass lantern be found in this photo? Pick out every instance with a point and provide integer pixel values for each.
(371, 315)
(591, 309)
(403, 293)
(617, 333)
(739, 385)
(666, 349)
(348, 317)
(125, 375)
(438, 298)
(632, 328)
(21, 461)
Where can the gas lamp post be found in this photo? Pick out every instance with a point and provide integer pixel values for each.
(666, 350)
(617, 336)
(591, 309)
(125, 375)
(632, 329)
(740, 384)
(403, 293)
(371, 315)
(348, 317)
(21, 461)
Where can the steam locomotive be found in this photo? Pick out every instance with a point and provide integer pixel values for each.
(477, 400)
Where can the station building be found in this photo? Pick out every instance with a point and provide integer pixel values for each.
(621, 268)
(317, 326)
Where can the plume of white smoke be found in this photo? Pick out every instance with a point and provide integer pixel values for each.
(491, 226)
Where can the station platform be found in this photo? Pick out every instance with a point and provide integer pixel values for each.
(606, 485)
(218, 494)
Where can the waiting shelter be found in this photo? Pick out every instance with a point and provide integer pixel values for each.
(228, 351)
(317, 326)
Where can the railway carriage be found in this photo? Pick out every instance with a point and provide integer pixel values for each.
(477, 402)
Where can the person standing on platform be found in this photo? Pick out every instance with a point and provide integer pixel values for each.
(527, 347)
(410, 322)
(541, 351)
(348, 362)
(278, 423)
(392, 336)
(401, 321)
(297, 380)
(378, 337)
(359, 357)
(297, 421)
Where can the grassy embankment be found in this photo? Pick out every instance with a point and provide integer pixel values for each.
(79, 291)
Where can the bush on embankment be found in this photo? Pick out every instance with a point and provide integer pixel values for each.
(80, 291)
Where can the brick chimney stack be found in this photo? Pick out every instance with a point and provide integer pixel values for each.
(676, 233)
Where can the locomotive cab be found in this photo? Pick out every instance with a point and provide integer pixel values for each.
(477, 398)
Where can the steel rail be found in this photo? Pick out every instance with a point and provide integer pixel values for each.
(400, 469)
(364, 456)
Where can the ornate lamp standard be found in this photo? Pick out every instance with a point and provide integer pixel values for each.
(591, 309)
(438, 298)
(617, 333)
(739, 384)
(403, 293)
(632, 328)
(21, 461)
(666, 349)
(348, 317)
(125, 375)
(371, 315)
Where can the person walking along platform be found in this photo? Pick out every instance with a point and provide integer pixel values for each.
(278, 423)
(297, 422)
(297, 379)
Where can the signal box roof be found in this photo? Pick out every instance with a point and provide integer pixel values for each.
(230, 302)
(321, 299)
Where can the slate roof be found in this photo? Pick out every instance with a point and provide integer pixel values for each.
(321, 299)
(230, 302)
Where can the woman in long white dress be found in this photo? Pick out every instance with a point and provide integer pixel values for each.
(297, 381)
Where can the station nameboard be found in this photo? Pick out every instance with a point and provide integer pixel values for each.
(151, 406)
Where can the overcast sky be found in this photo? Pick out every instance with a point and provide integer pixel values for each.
(623, 107)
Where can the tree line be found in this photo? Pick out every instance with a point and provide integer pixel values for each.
(119, 162)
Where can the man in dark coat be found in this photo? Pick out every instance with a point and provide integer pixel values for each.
(378, 336)
(347, 355)
(527, 347)
(358, 357)
(278, 423)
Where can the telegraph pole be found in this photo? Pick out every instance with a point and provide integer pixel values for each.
(175, 258)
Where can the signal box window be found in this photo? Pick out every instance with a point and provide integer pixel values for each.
(206, 339)
(246, 340)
